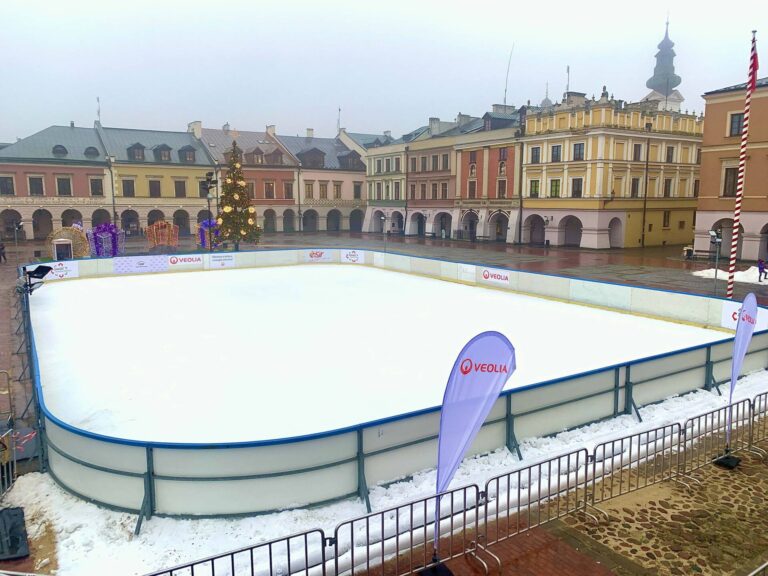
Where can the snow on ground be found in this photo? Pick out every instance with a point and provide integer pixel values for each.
(95, 541)
(748, 276)
(287, 351)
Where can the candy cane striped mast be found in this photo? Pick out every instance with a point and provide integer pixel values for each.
(751, 83)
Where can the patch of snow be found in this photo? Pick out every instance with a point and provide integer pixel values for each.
(748, 276)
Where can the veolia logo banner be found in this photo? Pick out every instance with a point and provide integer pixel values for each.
(744, 329)
(482, 368)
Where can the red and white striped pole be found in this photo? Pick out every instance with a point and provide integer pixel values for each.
(751, 82)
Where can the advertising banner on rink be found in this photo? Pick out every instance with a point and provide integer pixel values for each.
(351, 257)
(61, 270)
(140, 264)
(185, 262)
(221, 260)
(481, 369)
(497, 276)
(744, 330)
(318, 256)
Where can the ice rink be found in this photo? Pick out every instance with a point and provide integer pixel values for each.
(258, 354)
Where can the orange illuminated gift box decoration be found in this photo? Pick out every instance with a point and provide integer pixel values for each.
(162, 233)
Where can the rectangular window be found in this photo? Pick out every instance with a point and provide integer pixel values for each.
(535, 155)
(154, 188)
(97, 186)
(378, 190)
(387, 165)
(502, 154)
(413, 191)
(337, 190)
(501, 189)
(36, 186)
(397, 190)
(665, 224)
(423, 163)
(63, 186)
(556, 153)
(578, 151)
(269, 190)
(188, 156)
(737, 123)
(357, 191)
(288, 190)
(554, 188)
(670, 154)
(472, 188)
(729, 186)
(165, 155)
(378, 166)
(202, 189)
(397, 164)
(309, 190)
(473, 156)
(667, 187)
(534, 189)
(250, 189)
(444, 190)
(446, 164)
(423, 191)
(323, 190)
(137, 154)
(180, 188)
(434, 191)
(6, 186)
(576, 187)
(634, 190)
(129, 188)
(435, 163)
(681, 225)
(698, 155)
(637, 152)
(695, 188)
(413, 164)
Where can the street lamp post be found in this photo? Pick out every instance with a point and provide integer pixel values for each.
(716, 239)
(210, 223)
(384, 230)
(110, 163)
(648, 127)
(17, 227)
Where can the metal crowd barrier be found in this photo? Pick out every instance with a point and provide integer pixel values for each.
(303, 553)
(534, 495)
(399, 541)
(7, 461)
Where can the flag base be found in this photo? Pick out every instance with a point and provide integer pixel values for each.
(729, 462)
(438, 570)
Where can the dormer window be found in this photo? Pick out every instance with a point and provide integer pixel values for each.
(136, 153)
(162, 153)
(187, 155)
(275, 158)
(59, 150)
(91, 152)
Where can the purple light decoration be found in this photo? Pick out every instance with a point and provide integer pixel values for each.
(202, 231)
(106, 240)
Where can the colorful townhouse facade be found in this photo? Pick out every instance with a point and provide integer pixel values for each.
(607, 174)
(719, 172)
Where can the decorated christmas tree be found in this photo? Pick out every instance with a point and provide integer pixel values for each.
(237, 218)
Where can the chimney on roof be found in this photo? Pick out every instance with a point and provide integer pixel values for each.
(434, 125)
(271, 129)
(503, 109)
(71, 123)
(196, 128)
(388, 133)
(462, 119)
(310, 132)
(226, 128)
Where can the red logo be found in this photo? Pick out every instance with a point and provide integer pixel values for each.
(747, 318)
(352, 256)
(185, 259)
(316, 254)
(488, 275)
(467, 366)
(174, 260)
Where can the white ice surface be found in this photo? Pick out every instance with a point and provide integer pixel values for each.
(243, 355)
(92, 541)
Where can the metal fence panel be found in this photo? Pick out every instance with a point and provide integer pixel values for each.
(7, 461)
(760, 418)
(299, 554)
(534, 495)
(627, 464)
(705, 435)
(400, 540)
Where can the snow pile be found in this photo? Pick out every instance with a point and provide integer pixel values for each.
(303, 337)
(748, 276)
(95, 541)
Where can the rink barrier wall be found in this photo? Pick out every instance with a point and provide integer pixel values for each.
(245, 478)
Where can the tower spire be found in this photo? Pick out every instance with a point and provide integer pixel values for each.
(664, 79)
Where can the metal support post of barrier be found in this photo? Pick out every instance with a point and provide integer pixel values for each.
(628, 392)
(150, 482)
(616, 389)
(708, 370)
(512, 443)
(362, 485)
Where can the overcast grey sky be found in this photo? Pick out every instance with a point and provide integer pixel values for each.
(389, 65)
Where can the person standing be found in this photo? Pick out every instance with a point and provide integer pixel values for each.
(761, 270)
(3, 257)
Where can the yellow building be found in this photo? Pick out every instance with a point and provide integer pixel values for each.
(157, 175)
(605, 173)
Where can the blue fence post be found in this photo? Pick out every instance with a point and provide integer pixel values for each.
(628, 391)
(512, 443)
(362, 485)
